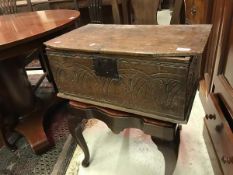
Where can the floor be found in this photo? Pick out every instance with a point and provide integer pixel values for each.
(133, 152)
(24, 161)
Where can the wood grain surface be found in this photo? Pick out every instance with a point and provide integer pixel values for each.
(175, 40)
(19, 28)
(19, 34)
(157, 67)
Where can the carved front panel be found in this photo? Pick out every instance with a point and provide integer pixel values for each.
(155, 86)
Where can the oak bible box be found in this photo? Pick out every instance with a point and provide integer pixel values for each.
(148, 70)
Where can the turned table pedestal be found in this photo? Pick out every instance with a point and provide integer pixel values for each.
(164, 134)
(22, 33)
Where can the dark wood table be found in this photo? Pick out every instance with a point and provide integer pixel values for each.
(20, 33)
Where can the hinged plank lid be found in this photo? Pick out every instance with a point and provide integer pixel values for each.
(156, 40)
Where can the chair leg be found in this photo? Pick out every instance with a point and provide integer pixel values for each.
(115, 12)
(76, 7)
(75, 123)
(43, 63)
(95, 11)
(45, 66)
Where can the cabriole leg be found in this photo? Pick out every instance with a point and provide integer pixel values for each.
(75, 121)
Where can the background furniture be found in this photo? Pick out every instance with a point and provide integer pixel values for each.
(95, 11)
(110, 11)
(19, 36)
(144, 12)
(178, 12)
(8, 6)
(57, 4)
(198, 11)
(216, 86)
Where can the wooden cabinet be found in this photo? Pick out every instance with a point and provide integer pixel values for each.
(216, 87)
(220, 133)
(223, 72)
(198, 11)
(211, 52)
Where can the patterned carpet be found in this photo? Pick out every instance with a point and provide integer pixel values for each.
(24, 162)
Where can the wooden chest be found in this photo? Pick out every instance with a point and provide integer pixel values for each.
(147, 70)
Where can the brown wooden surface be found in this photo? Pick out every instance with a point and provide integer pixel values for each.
(7, 7)
(32, 125)
(223, 72)
(198, 11)
(146, 40)
(110, 9)
(178, 13)
(144, 12)
(36, 136)
(166, 135)
(218, 128)
(216, 87)
(22, 28)
(125, 12)
(20, 33)
(116, 12)
(213, 44)
(156, 87)
(84, 3)
(220, 133)
(219, 71)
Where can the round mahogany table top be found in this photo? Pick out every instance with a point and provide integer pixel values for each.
(23, 28)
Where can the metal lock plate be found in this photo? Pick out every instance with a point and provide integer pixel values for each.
(105, 67)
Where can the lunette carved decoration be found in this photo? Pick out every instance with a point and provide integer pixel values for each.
(149, 85)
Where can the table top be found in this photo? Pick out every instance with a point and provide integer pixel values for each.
(21, 28)
(156, 40)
